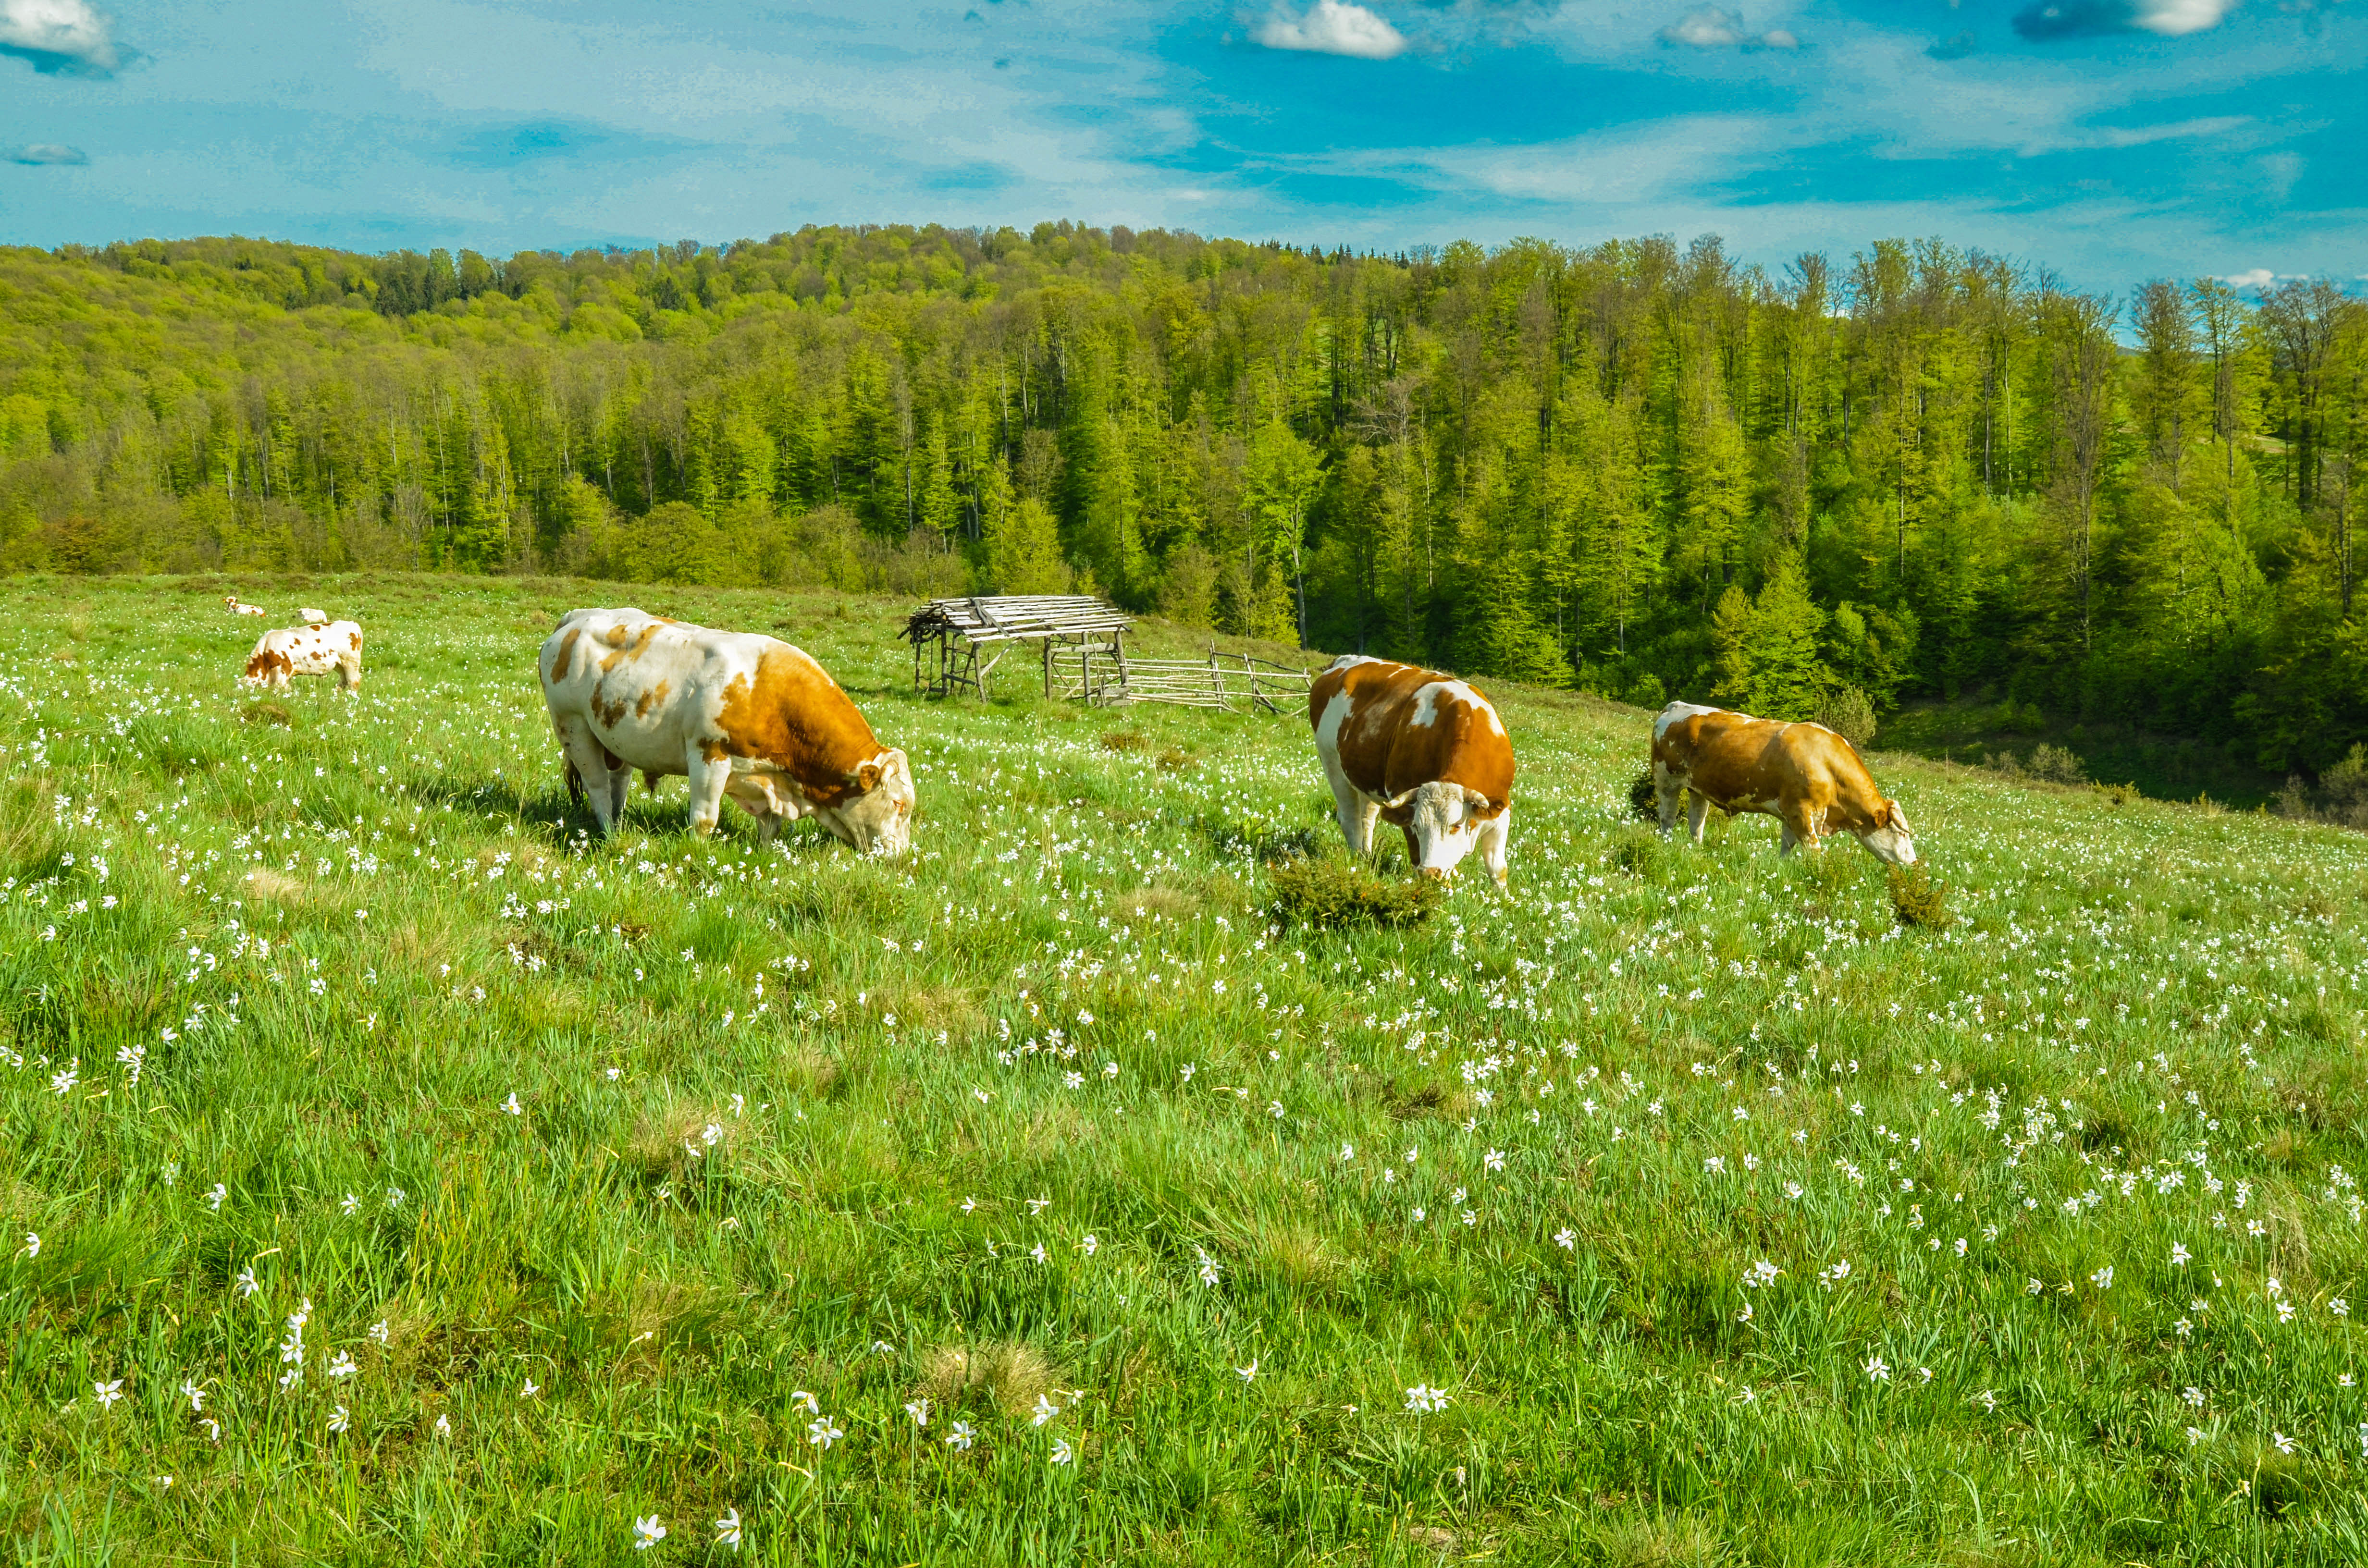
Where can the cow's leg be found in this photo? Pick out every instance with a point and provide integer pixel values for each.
(1697, 815)
(1494, 834)
(1800, 827)
(591, 762)
(1669, 789)
(1355, 812)
(618, 785)
(707, 781)
(1414, 847)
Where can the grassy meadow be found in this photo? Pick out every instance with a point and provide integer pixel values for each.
(419, 1180)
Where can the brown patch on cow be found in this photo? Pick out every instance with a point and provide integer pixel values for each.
(639, 644)
(713, 751)
(795, 717)
(270, 661)
(1803, 774)
(649, 699)
(609, 713)
(615, 636)
(1385, 753)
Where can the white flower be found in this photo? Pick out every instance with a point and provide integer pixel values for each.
(727, 1529)
(1567, 1239)
(349, 1205)
(2103, 1278)
(444, 1429)
(1423, 1399)
(2286, 1444)
(246, 1282)
(377, 1331)
(62, 1083)
(920, 1411)
(822, 1434)
(1045, 1411)
(1092, 1244)
(343, 1366)
(800, 1400)
(1208, 1269)
(647, 1533)
(215, 1198)
(107, 1392)
(1062, 1452)
(212, 1427)
(340, 1420)
(32, 1244)
(961, 1436)
(511, 1105)
(1250, 1371)
(1347, 1151)
(1876, 1371)
(530, 1390)
(2178, 1255)
(196, 1396)
(1493, 1159)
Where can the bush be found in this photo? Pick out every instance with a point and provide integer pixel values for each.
(1847, 712)
(1644, 798)
(1919, 900)
(2057, 765)
(1326, 894)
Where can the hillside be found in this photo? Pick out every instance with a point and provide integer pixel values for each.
(1044, 1197)
(1915, 475)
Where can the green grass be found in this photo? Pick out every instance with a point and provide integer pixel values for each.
(790, 1122)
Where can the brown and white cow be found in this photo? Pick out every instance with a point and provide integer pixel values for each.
(333, 645)
(235, 607)
(738, 714)
(1803, 774)
(1420, 750)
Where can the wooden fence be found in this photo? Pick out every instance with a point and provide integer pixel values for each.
(958, 642)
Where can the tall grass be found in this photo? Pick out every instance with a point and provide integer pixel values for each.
(1706, 1214)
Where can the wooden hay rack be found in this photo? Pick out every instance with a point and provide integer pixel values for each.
(970, 637)
(1220, 680)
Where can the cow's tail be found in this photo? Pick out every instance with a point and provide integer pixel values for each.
(575, 784)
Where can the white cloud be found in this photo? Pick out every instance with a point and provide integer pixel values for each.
(45, 152)
(58, 35)
(2258, 278)
(2177, 18)
(1707, 27)
(1332, 26)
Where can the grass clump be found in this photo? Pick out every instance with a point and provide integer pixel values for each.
(1645, 798)
(1330, 894)
(1918, 901)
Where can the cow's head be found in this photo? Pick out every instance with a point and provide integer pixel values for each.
(875, 815)
(1446, 820)
(1888, 839)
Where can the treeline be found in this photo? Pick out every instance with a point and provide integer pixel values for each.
(1639, 469)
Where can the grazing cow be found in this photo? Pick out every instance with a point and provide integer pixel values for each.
(238, 608)
(1422, 751)
(313, 617)
(1804, 775)
(738, 714)
(308, 651)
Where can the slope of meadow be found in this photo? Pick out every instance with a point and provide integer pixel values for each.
(417, 1180)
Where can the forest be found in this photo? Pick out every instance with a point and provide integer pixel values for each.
(1639, 469)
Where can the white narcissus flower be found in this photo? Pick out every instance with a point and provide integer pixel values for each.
(727, 1529)
(647, 1533)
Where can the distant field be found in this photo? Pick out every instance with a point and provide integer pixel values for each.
(494, 1190)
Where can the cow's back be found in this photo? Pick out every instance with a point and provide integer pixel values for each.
(1392, 727)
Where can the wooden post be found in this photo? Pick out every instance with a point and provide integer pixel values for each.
(1048, 666)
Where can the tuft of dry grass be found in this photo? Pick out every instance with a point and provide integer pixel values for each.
(1011, 1373)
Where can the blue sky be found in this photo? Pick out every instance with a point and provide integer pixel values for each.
(2110, 139)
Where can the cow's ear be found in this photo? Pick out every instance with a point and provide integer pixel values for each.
(1474, 802)
(867, 777)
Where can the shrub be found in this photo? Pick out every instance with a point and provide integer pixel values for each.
(2117, 794)
(2057, 765)
(1643, 799)
(1330, 894)
(1847, 712)
(1919, 900)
